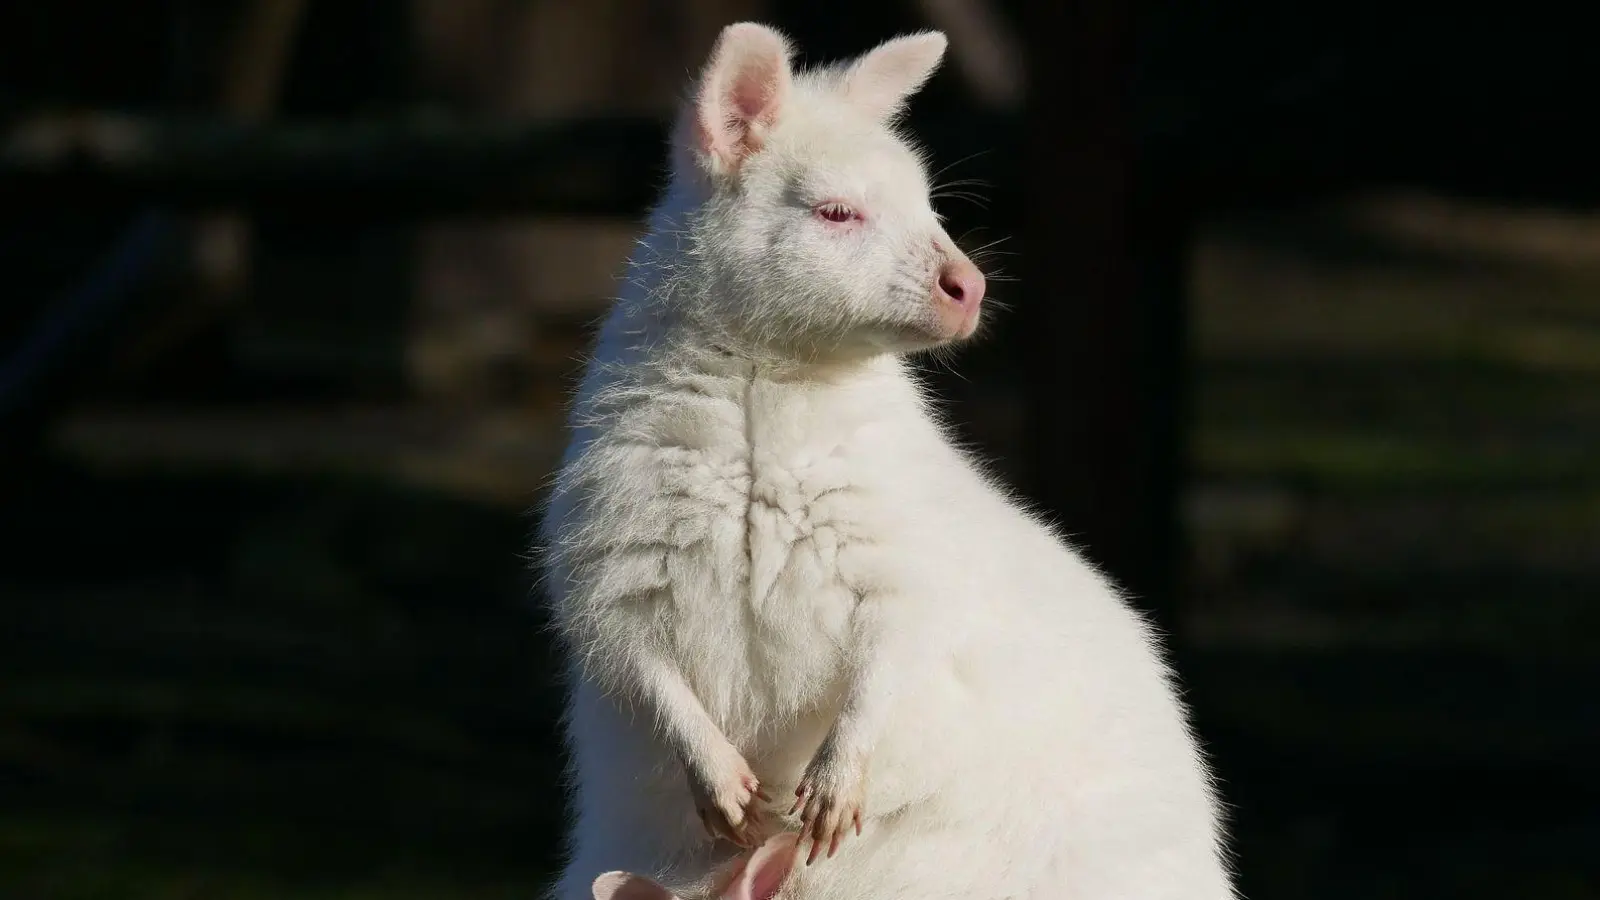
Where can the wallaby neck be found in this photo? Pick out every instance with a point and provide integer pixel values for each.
(644, 330)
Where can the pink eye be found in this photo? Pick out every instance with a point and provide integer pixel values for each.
(837, 213)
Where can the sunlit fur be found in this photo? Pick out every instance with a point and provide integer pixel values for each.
(760, 518)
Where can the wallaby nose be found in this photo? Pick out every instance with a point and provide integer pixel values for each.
(961, 282)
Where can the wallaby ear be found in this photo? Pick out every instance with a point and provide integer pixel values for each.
(628, 886)
(883, 79)
(765, 869)
(741, 93)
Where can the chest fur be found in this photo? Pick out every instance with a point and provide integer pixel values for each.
(752, 498)
(761, 616)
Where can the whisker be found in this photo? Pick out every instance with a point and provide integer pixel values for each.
(974, 199)
(957, 163)
(962, 182)
(990, 246)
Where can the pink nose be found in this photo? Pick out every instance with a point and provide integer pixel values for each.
(961, 283)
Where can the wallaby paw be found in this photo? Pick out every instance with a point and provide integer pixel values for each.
(829, 801)
(725, 799)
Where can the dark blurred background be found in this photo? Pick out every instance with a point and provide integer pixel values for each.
(1304, 345)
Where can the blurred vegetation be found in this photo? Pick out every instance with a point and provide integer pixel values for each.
(249, 686)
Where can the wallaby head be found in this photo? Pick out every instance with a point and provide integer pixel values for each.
(807, 228)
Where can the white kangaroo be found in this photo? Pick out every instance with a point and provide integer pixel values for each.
(790, 602)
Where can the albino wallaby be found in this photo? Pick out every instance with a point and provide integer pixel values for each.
(789, 601)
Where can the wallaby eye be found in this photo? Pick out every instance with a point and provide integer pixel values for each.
(836, 212)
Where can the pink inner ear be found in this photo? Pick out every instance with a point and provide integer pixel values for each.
(754, 92)
(627, 886)
(767, 867)
(743, 87)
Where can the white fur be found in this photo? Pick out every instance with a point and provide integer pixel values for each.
(763, 549)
